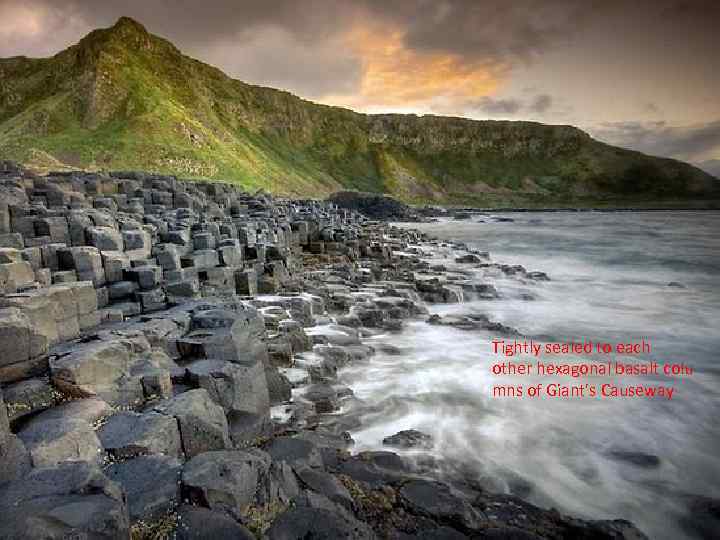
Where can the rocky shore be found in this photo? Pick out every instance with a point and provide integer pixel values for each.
(169, 354)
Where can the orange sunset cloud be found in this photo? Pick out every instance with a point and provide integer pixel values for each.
(394, 76)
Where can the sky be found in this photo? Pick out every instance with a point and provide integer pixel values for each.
(643, 74)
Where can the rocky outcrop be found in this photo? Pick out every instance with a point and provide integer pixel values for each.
(203, 424)
(169, 367)
(373, 205)
(70, 499)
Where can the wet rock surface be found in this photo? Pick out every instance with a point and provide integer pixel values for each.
(169, 353)
(410, 438)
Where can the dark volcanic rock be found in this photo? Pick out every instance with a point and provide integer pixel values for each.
(326, 484)
(74, 500)
(472, 322)
(639, 459)
(295, 451)
(127, 434)
(203, 425)
(317, 523)
(131, 329)
(151, 484)
(14, 457)
(198, 523)
(373, 205)
(435, 500)
(409, 438)
(703, 517)
(224, 481)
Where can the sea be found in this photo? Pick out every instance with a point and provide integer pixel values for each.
(615, 277)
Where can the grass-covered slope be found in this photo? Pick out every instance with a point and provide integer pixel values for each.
(125, 99)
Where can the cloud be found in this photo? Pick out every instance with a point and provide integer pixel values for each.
(498, 106)
(307, 70)
(424, 55)
(363, 52)
(541, 103)
(690, 143)
(397, 76)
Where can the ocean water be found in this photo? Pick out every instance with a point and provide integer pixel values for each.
(591, 457)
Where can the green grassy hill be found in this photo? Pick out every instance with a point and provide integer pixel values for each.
(125, 99)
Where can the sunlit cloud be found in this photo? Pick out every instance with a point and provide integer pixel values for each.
(32, 29)
(396, 78)
(21, 21)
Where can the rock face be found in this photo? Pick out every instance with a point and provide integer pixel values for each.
(373, 205)
(202, 422)
(133, 338)
(13, 454)
(127, 435)
(61, 434)
(73, 499)
(198, 523)
(151, 484)
(96, 369)
(410, 438)
(225, 481)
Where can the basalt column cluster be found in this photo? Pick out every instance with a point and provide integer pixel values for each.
(169, 353)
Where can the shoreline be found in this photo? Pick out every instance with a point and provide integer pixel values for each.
(170, 361)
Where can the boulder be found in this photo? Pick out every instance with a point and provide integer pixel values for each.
(227, 481)
(246, 428)
(235, 387)
(115, 263)
(296, 452)
(72, 500)
(410, 438)
(151, 484)
(59, 435)
(105, 238)
(122, 289)
(15, 459)
(326, 484)
(279, 386)
(224, 334)
(203, 425)
(231, 256)
(21, 343)
(147, 277)
(98, 368)
(323, 396)
(138, 242)
(304, 522)
(152, 300)
(87, 262)
(128, 434)
(167, 257)
(15, 276)
(436, 500)
(198, 523)
(10, 255)
(13, 454)
(373, 205)
(246, 282)
(28, 397)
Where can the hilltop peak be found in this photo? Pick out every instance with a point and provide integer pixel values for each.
(125, 35)
(128, 24)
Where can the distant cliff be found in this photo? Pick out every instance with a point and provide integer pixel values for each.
(122, 99)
